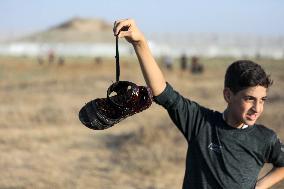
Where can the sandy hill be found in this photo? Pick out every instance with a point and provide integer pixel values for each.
(75, 30)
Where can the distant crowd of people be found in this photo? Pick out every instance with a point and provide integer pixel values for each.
(50, 58)
(195, 66)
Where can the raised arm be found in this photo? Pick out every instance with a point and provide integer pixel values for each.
(152, 73)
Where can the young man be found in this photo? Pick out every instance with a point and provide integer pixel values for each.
(225, 150)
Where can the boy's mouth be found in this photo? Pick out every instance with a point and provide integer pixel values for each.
(252, 117)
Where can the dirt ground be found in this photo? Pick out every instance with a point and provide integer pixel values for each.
(43, 144)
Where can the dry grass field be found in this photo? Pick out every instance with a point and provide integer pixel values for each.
(43, 145)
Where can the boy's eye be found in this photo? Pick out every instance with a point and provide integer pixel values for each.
(264, 99)
(248, 98)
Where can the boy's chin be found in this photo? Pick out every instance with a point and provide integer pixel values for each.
(249, 122)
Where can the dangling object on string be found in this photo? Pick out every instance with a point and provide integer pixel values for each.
(129, 99)
(117, 59)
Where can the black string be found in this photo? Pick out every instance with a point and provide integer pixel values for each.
(117, 59)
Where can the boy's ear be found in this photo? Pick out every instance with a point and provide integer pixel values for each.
(227, 94)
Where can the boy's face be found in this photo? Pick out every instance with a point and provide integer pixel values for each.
(246, 106)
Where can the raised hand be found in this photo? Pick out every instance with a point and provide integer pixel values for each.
(127, 28)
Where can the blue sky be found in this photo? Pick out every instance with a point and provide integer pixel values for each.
(261, 17)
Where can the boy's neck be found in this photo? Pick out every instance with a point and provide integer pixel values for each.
(231, 122)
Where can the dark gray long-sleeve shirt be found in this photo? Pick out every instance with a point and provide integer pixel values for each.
(220, 156)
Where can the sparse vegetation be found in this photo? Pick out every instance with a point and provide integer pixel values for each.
(44, 145)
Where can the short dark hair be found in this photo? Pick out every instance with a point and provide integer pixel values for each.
(242, 74)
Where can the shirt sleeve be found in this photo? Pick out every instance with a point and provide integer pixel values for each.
(276, 155)
(186, 114)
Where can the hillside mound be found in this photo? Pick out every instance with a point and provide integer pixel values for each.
(75, 30)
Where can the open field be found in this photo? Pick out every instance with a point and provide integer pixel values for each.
(43, 145)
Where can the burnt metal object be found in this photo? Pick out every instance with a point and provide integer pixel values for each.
(103, 113)
(124, 99)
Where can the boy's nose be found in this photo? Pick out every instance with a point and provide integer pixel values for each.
(257, 107)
